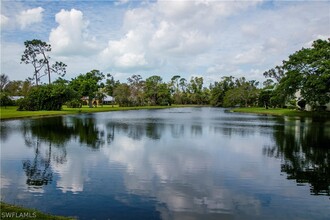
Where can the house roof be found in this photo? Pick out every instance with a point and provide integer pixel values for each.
(108, 98)
(16, 97)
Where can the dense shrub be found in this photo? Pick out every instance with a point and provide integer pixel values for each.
(75, 103)
(264, 98)
(46, 97)
(22, 104)
(5, 100)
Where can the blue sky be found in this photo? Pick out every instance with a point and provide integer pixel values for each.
(188, 38)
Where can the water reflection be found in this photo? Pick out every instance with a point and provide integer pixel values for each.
(169, 164)
(48, 130)
(43, 135)
(88, 132)
(304, 145)
(38, 170)
(4, 131)
(60, 130)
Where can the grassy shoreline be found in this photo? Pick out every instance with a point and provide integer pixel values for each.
(281, 112)
(13, 212)
(11, 112)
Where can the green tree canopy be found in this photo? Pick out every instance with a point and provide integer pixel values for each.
(36, 53)
(306, 71)
(136, 85)
(152, 88)
(244, 93)
(219, 89)
(88, 84)
(122, 93)
(18, 87)
(110, 84)
(46, 97)
(196, 89)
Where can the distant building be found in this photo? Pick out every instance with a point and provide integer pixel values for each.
(16, 97)
(106, 100)
(308, 107)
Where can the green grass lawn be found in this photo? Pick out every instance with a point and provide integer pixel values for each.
(13, 212)
(11, 112)
(281, 111)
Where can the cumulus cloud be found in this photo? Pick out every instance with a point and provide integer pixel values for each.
(126, 53)
(209, 38)
(29, 17)
(168, 31)
(70, 37)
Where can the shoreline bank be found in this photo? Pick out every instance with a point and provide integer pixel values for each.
(10, 112)
(9, 211)
(280, 112)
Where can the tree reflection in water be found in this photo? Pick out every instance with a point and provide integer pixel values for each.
(38, 171)
(138, 130)
(304, 145)
(43, 134)
(87, 132)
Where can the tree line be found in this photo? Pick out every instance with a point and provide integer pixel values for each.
(304, 78)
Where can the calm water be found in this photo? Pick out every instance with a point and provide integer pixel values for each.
(185, 163)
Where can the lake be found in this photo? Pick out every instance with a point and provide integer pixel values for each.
(179, 163)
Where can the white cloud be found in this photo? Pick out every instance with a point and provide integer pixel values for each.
(273, 45)
(29, 17)
(168, 32)
(74, 173)
(4, 20)
(10, 63)
(70, 37)
(171, 39)
(126, 53)
(319, 36)
(121, 2)
(131, 60)
(252, 55)
(177, 37)
(146, 166)
(209, 38)
(250, 30)
(185, 10)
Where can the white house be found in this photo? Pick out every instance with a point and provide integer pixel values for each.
(308, 107)
(16, 97)
(108, 99)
